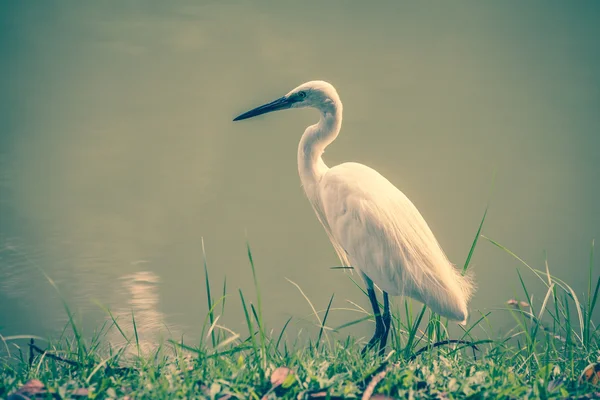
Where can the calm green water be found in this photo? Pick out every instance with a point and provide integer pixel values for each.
(118, 154)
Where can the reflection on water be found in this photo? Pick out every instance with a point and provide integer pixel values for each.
(142, 302)
(27, 293)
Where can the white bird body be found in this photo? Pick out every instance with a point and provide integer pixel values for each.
(387, 239)
(372, 225)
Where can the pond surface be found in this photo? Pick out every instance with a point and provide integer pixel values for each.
(118, 156)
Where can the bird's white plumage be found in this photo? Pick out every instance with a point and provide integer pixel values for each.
(387, 239)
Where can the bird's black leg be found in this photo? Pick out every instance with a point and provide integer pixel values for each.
(387, 323)
(379, 327)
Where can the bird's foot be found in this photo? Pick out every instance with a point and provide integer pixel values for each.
(372, 343)
(381, 348)
(380, 338)
(384, 335)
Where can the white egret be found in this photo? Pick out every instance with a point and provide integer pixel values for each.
(372, 225)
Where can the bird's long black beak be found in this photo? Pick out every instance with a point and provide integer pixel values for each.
(280, 104)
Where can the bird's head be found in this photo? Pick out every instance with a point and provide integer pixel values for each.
(316, 94)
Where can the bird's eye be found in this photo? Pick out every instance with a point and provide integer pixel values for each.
(302, 94)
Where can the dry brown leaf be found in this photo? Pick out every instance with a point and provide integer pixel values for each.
(278, 376)
(80, 392)
(30, 389)
(591, 374)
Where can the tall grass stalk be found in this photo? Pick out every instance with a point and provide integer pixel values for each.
(259, 318)
(209, 299)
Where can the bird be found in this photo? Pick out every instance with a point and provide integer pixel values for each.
(373, 227)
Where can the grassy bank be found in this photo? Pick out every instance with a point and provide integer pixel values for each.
(553, 340)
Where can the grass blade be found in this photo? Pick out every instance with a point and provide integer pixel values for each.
(211, 313)
(282, 331)
(474, 244)
(324, 320)
(230, 339)
(137, 339)
(316, 314)
(413, 332)
(249, 323)
(224, 295)
(114, 321)
(478, 234)
(356, 321)
(259, 319)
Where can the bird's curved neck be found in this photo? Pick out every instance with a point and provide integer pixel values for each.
(313, 143)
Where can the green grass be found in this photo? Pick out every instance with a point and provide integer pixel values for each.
(542, 356)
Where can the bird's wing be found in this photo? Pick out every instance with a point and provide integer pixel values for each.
(386, 238)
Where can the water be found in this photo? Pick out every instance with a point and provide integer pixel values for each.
(118, 154)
